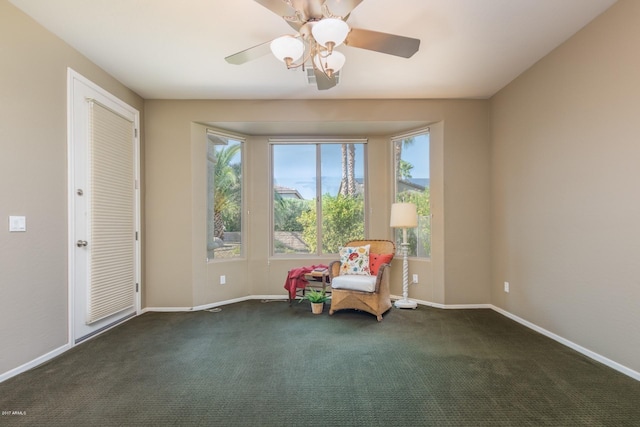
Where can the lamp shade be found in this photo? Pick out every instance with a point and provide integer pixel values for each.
(287, 47)
(330, 30)
(331, 64)
(404, 215)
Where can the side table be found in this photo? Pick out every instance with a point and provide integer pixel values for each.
(316, 279)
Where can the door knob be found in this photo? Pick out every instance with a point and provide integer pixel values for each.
(81, 243)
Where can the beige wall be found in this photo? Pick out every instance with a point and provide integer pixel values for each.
(177, 273)
(33, 183)
(565, 177)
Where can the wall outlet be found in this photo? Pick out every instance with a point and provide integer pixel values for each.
(223, 279)
(506, 287)
(17, 223)
(415, 278)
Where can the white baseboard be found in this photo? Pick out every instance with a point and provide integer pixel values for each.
(215, 304)
(221, 303)
(593, 355)
(166, 309)
(35, 362)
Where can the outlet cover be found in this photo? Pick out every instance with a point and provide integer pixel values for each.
(223, 279)
(17, 223)
(415, 278)
(506, 287)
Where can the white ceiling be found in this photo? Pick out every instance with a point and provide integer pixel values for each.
(175, 49)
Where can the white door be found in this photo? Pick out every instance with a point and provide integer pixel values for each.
(103, 209)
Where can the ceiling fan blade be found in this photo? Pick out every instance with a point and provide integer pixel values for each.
(382, 42)
(322, 81)
(279, 7)
(250, 54)
(342, 7)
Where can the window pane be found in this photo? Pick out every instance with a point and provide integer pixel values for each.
(412, 185)
(305, 176)
(294, 195)
(342, 195)
(224, 201)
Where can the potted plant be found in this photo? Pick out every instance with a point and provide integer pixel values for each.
(316, 298)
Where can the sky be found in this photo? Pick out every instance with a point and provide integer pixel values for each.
(418, 155)
(295, 166)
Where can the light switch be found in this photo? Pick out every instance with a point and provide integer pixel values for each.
(17, 223)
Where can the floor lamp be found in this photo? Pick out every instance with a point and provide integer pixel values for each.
(404, 215)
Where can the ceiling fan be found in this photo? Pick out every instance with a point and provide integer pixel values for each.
(321, 26)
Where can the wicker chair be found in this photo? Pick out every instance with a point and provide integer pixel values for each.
(376, 302)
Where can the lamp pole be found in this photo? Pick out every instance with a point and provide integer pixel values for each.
(405, 302)
(404, 215)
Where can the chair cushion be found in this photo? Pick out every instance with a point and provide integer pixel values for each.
(354, 260)
(376, 260)
(355, 282)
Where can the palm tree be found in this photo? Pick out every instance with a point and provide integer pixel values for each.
(351, 165)
(348, 183)
(344, 182)
(403, 168)
(226, 189)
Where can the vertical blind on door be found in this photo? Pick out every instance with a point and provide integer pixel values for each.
(112, 219)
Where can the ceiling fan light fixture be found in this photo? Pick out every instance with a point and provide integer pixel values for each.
(329, 64)
(330, 32)
(287, 49)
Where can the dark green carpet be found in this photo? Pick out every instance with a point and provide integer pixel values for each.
(270, 364)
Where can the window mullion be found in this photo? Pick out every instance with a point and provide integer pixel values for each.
(318, 199)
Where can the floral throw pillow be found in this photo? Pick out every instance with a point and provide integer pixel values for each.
(354, 260)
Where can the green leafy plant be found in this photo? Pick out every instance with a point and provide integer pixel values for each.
(314, 296)
(226, 179)
(342, 220)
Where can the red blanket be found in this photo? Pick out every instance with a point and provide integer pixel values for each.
(296, 280)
